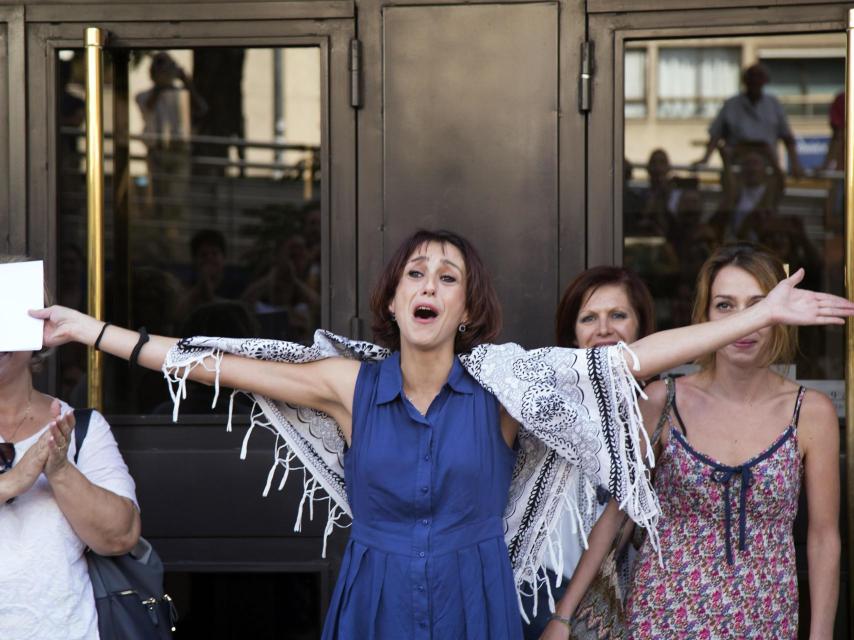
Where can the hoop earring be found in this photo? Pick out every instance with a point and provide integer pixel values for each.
(462, 328)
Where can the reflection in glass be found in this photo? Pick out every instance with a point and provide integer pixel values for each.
(694, 81)
(213, 211)
(741, 139)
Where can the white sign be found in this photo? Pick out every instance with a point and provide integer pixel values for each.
(21, 289)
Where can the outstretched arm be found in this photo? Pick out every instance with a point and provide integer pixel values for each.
(783, 305)
(326, 385)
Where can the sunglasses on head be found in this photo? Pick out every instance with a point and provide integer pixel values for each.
(7, 456)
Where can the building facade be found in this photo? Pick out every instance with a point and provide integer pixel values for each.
(262, 158)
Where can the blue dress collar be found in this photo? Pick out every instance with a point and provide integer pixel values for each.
(391, 380)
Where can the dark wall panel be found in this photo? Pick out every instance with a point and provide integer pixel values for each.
(470, 143)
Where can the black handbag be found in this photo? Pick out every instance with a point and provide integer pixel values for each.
(129, 595)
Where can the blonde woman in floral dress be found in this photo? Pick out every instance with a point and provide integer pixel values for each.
(734, 444)
(738, 441)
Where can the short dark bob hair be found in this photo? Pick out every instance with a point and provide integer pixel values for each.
(589, 281)
(482, 306)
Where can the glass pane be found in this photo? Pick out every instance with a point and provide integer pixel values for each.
(694, 81)
(635, 88)
(213, 202)
(773, 176)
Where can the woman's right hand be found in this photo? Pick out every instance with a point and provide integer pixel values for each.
(23, 475)
(62, 325)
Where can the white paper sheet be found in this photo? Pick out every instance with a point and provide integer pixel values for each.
(21, 289)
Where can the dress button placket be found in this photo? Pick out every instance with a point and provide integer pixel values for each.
(421, 533)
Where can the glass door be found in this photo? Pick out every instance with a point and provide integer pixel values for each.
(218, 195)
(731, 133)
(214, 201)
(228, 169)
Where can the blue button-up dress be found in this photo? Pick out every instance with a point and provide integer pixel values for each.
(426, 557)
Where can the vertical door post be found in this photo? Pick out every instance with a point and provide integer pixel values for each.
(849, 291)
(95, 40)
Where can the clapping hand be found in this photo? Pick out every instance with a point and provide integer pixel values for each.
(27, 470)
(58, 437)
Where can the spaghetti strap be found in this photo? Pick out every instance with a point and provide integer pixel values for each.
(670, 386)
(802, 390)
(676, 413)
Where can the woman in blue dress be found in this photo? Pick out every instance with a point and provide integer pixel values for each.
(430, 452)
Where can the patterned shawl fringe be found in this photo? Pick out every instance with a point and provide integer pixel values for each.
(581, 431)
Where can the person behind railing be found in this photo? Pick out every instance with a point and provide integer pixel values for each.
(835, 156)
(285, 305)
(693, 240)
(208, 253)
(752, 117)
(166, 129)
(834, 160)
(749, 190)
(659, 200)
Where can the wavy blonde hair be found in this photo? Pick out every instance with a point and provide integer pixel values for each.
(768, 271)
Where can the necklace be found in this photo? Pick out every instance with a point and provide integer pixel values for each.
(22, 420)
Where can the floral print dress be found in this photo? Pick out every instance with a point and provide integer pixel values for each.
(726, 543)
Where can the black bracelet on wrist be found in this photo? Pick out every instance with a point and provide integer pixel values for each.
(561, 619)
(101, 335)
(143, 338)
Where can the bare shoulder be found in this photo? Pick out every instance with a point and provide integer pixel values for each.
(656, 395)
(818, 420)
(657, 391)
(653, 405)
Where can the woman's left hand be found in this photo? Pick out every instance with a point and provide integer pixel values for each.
(58, 438)
(788, 305)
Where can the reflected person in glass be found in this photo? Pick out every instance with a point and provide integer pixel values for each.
(752, 117)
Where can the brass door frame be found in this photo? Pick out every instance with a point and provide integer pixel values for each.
(849, 280)
(95, 40)
(610, 32)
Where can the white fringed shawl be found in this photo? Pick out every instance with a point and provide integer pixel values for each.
(580, 422)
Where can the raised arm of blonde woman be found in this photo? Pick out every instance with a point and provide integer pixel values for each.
(784, 304)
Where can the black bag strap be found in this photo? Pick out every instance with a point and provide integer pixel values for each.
(81, 428)
(670, 385)
(670, 402)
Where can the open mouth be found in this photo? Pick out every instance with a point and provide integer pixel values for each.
(424, 312)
